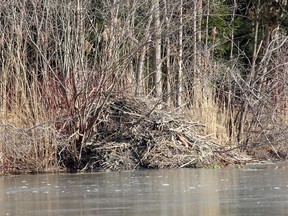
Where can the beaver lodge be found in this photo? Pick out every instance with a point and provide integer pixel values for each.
(136, 134)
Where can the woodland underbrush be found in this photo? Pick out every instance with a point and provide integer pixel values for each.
(120, 132)
(129, 133)
(110, 85)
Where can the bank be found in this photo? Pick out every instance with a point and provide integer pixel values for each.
(129, 133)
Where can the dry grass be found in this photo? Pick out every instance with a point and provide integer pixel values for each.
(61, 64)
(210, 114)
(28, 140)
(206, 108)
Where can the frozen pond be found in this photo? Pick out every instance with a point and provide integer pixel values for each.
(229, 191)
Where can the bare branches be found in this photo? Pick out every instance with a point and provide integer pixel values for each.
(63, 62)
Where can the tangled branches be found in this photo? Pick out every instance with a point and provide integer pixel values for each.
(135, 134)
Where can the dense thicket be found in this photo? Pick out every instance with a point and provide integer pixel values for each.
(224, 63)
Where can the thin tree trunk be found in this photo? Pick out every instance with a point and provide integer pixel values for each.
(255, 53)
(199, 35)
(141, 60)
(157, 51)
(167, 96)
(139, 72)
(207, 52)
(195, 40)
(199, 19)
(232, 31)
(131, 23)
(194, 78)
(180, 60)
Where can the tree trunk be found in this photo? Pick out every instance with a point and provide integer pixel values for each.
(199, 19)
(157, 51)
(180, 58)
(141, 60)
(207, 52)
(167, 95)
(232, 31)
(194, 43)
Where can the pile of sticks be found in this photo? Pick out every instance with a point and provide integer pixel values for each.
(135, 133)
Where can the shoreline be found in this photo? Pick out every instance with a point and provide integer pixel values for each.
(136, 134)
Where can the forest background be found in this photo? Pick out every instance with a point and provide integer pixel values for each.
(221, 62)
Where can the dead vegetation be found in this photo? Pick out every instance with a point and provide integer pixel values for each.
(129, 133)
(28, 150)
(136, 134)
(61, 63)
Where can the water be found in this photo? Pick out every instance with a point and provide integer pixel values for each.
(202, 192)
